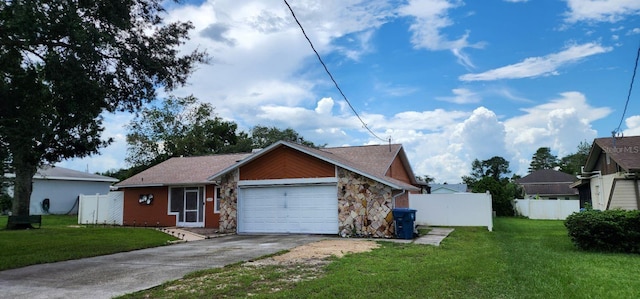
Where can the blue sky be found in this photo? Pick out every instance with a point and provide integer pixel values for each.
(451, 80)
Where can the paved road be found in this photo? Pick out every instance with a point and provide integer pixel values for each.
(121, 273)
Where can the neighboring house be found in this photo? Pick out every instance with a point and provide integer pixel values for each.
(176, 192)
(61, 187)
(548, 184)
(609, 178)
(448, 188)
(290, 188)
(284, 188)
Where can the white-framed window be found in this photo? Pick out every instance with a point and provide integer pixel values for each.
(216, 201)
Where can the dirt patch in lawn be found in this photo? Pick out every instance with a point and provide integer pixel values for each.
(316, 253)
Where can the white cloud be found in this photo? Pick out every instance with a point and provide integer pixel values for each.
(462, 96)
(600, 10)
(633, 126)
(482, 135)
(260, 55)
(539, 66)
(431, 18)
(633, 31)
(560, 124)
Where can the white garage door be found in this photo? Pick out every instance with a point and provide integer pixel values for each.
(290, 209)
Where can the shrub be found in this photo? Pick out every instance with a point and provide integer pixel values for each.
(612, 230)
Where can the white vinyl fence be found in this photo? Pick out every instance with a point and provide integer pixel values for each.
(101, 209)
(455, 209)
(546, 209)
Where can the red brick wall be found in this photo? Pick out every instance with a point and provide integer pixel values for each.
(398, 172)
(402, 201)
(152, 215)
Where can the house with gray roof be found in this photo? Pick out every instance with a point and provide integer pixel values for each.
(284, 188)
(548, 184)
(610, 176)
(56, 189)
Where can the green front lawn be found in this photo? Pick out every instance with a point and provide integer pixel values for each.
(60, 238)
(521, 259)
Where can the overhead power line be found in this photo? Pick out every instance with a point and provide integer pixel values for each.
(331, 76)
(626, 104)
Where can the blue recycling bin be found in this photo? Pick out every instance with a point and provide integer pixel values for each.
(404, 219)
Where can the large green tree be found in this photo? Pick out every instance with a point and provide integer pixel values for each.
(262, 137)
(65, 62)
(572, 164)
(177, 127)
(495, 167)
(491, 175)
(543, 159)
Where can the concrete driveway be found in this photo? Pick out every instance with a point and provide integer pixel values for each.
(117, 274)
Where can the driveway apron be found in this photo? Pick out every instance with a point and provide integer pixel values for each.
(117, 274)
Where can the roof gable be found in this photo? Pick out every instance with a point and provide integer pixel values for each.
(370, 161)
(450, 187)
(183, 170)
(625, 151)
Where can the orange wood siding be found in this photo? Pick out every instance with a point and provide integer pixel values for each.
(402, 201)
(152, 215)
(398, 172)
(211, 219)
(286, 163)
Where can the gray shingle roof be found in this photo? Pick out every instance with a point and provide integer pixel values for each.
(624, 151)
(548, 182)
(547, 176)
(182, 170)
(60, 173)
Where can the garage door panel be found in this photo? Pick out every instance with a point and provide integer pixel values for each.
(290, 209)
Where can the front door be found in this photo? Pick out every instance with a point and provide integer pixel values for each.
(191, 206)
(188, 205)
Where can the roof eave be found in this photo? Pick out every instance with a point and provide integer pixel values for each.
(302, 149)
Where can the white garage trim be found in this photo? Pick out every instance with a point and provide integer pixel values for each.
(311, 209)
(270, 183)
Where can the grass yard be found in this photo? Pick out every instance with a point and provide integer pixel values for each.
(60, 238)
(521, 259)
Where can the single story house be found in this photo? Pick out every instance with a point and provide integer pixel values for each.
(176, 192)
(548, 184)
(448, 188)
(609, 178)
(284, 188)
(290, 188)
(56, 189)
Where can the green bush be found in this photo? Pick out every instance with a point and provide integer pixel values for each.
(612, 230)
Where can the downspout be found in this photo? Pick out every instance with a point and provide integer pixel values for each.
(393, 198)
(635, 186)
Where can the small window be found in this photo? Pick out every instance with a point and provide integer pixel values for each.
(216, 205)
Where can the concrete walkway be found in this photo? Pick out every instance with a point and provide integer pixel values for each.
(182, 234)
(434, 236)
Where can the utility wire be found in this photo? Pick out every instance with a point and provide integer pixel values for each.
(633, 77)
(329, 73)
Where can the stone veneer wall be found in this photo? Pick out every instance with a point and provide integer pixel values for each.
(364, 207)
(229, 202)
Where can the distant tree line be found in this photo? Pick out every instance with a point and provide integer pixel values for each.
(187, 127)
